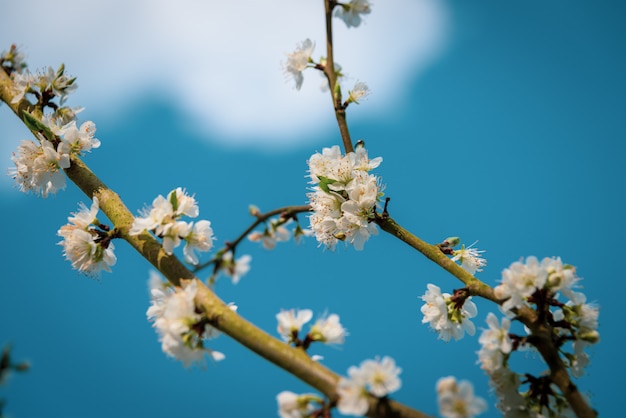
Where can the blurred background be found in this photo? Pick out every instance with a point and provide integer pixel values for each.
(500, 122)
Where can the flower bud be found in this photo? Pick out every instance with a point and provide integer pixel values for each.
(451, 242)
(253, 210)
(591, 336)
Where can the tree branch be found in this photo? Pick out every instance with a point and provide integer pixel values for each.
(542, 333)
(286, 211)
(335, 93)
(293, 360)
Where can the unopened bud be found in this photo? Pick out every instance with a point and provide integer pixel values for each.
(451, 242)
(340, 236)
(590, 336)
(253, 210)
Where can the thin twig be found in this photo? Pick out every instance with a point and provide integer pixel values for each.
(286, 211)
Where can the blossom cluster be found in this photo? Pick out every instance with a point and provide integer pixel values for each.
(327, 329)
(44, 85)
(182, 329)
(300, 59)
(543, 282)
(378, 377)
(457, 400)
(448, 314)
(86, 242)
(38, 165)
(163, 218)
(496, 346)
(344, 196)
(574, 325)
(276, 230)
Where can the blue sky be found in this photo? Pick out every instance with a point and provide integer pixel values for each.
(506, 127)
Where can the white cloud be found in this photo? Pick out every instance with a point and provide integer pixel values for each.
(220, 61)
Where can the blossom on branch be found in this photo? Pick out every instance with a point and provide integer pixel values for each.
(378, 377)
(200, 238)
(328, 330)
(457, 400)
(37, 167)
(290, 322)
(470, 258)
(445, 316)
(80, 139)
(163, 219)
(22, 83)
(85, 244)
(236, 269)
(351, 12)
(344, 196)
(496, 337)
(360, 91)
(182, 330)
(298, 61)
(521, 280)
(275, 232)
(292, 405)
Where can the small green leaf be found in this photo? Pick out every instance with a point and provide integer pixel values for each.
(36, 125)
(324, 182)
(174, 200)
(60, 71)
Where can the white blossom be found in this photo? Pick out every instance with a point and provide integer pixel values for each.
(200, 238)
(519, 282)
(378, 377)
(298, 61)
(562, 279)
(344, 196)
(291, 321)
(22, 82)
(381, 376)
(496, 337)
(37, 167)
(444, 317)
(236, 269)
(182, 203)
(351, 12)
(328, 330)
(85, 248)
(457, 400)
(352, 396)
(292, 405)
(358, 92)
(174, 316)
(155, 218)
(58, 82)
(80, 139)
(163, 218)
(470, 258)
(173, 234)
